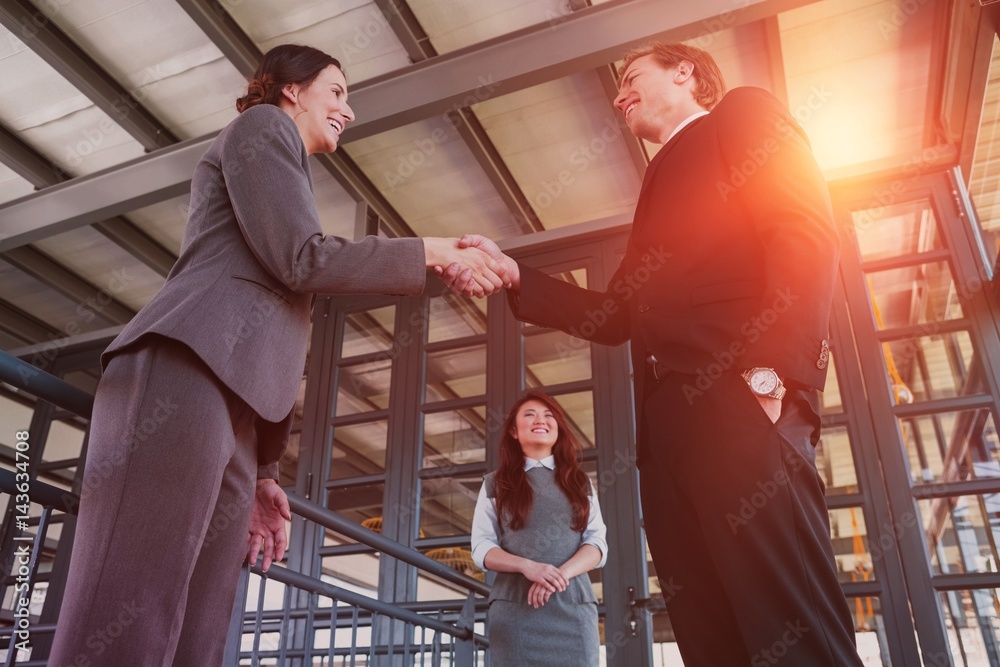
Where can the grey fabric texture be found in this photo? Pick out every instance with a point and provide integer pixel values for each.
(253, 255)
(564, 631)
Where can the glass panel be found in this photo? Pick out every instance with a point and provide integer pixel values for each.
(65, 441)
(850, 539)
(922, 294)
(360, 504)
(430, 587)
(930, 367)
(363, 387)
(579, 409)
(984, 187)
(357, 572)
(857, 105)
(447, 504)
(869, 629)
(450, 316)
(368, 331)
(555, 357)
(952, 446)
(962, 532)
(358, 449)
(973, 627)
(457, 373)
(454, 437)
(835, 461)
(898, 229)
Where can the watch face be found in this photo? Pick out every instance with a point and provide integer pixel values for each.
(764, 382)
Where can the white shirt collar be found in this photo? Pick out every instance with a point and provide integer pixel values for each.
(548, 462)
(684, 123)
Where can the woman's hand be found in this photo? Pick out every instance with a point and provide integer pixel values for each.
(538, 595)
(267, 523)
(545, 575)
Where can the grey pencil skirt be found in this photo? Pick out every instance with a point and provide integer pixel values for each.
(562, 633)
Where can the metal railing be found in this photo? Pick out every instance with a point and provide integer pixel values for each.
(434, 634)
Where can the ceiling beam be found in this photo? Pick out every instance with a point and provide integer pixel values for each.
(26, 162)
(23, 326)
(131, 238)
(417, 43)
(633, 144)
(582, 41)
(43, 269)
(245, 55)
(563, 46)
(51, 44)
(32, 166)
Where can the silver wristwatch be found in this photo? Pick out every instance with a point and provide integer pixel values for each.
(764, 382)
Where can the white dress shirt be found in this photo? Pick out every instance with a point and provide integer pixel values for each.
(486, 528)
(684, 123)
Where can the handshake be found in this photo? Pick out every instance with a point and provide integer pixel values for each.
(471, 266)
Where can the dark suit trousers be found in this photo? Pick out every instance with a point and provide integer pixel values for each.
(164, 510)
(737, 524)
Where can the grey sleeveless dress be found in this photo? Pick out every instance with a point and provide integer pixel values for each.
(564, 631)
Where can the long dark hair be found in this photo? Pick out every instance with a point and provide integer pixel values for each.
(513, 492)
(282, 65)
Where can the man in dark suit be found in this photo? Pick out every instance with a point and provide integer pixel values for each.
(724, 293)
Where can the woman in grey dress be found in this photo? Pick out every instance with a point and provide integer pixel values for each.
(538, 525)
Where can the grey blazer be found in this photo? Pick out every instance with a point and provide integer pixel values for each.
(240, 294)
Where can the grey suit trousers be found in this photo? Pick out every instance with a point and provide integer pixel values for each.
(168, 489)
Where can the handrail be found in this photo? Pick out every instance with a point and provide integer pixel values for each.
(313, 585)
(45, 386)
(333, 521)
(40, 492)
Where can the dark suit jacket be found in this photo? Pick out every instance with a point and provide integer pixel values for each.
(240, 294)
(731, 259)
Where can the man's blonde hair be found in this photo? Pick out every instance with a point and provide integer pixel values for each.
(709, 85)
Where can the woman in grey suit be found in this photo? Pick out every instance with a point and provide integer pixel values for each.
(538, 524)
(195, 403)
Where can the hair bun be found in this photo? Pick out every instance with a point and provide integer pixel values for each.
(257, 92)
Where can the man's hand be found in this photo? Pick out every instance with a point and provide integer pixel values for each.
(771, 405)
(453, 277)
(471, 271)
(267, 523)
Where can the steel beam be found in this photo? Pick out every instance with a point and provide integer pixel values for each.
(40, 33)
(581, 41)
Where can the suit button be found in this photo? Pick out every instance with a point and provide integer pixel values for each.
(643, 307)
(821, 364)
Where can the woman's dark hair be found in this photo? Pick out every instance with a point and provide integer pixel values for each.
(282, 65)
(513, 491)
